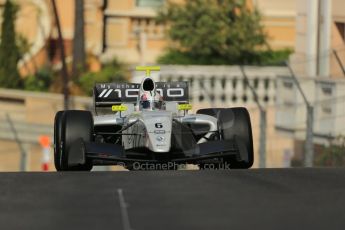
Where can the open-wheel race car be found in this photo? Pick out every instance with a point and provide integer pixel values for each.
(147, 124)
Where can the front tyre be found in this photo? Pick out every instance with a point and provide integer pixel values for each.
(234, 124)
(70, 126)
(57, 139)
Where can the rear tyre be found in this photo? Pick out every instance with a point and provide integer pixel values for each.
(234, 124)
(70, 126)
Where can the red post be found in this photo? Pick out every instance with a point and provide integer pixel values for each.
(45, 144)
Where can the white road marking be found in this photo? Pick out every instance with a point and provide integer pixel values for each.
(124, 213)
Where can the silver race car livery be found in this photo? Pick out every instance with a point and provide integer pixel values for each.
(135, 124)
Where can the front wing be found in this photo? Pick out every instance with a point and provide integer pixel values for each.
(111, 154)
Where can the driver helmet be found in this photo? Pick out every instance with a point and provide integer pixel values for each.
(151, 101)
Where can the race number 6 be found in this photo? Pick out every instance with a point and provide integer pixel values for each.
(159, 125)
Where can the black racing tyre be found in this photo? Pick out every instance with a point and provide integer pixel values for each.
(71, 126)
(234, 123)
(57, 139)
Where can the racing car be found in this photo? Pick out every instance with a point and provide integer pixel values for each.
(149, 123)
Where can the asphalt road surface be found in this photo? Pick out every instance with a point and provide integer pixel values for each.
(240, 199)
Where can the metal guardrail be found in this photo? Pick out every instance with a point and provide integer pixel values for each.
(14, 130)
(13, 125)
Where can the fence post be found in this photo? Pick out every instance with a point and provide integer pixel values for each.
(308, 146)
(262, 147)
(23, 155)
(64, 71)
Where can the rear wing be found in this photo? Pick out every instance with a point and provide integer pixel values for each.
(108, 94)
